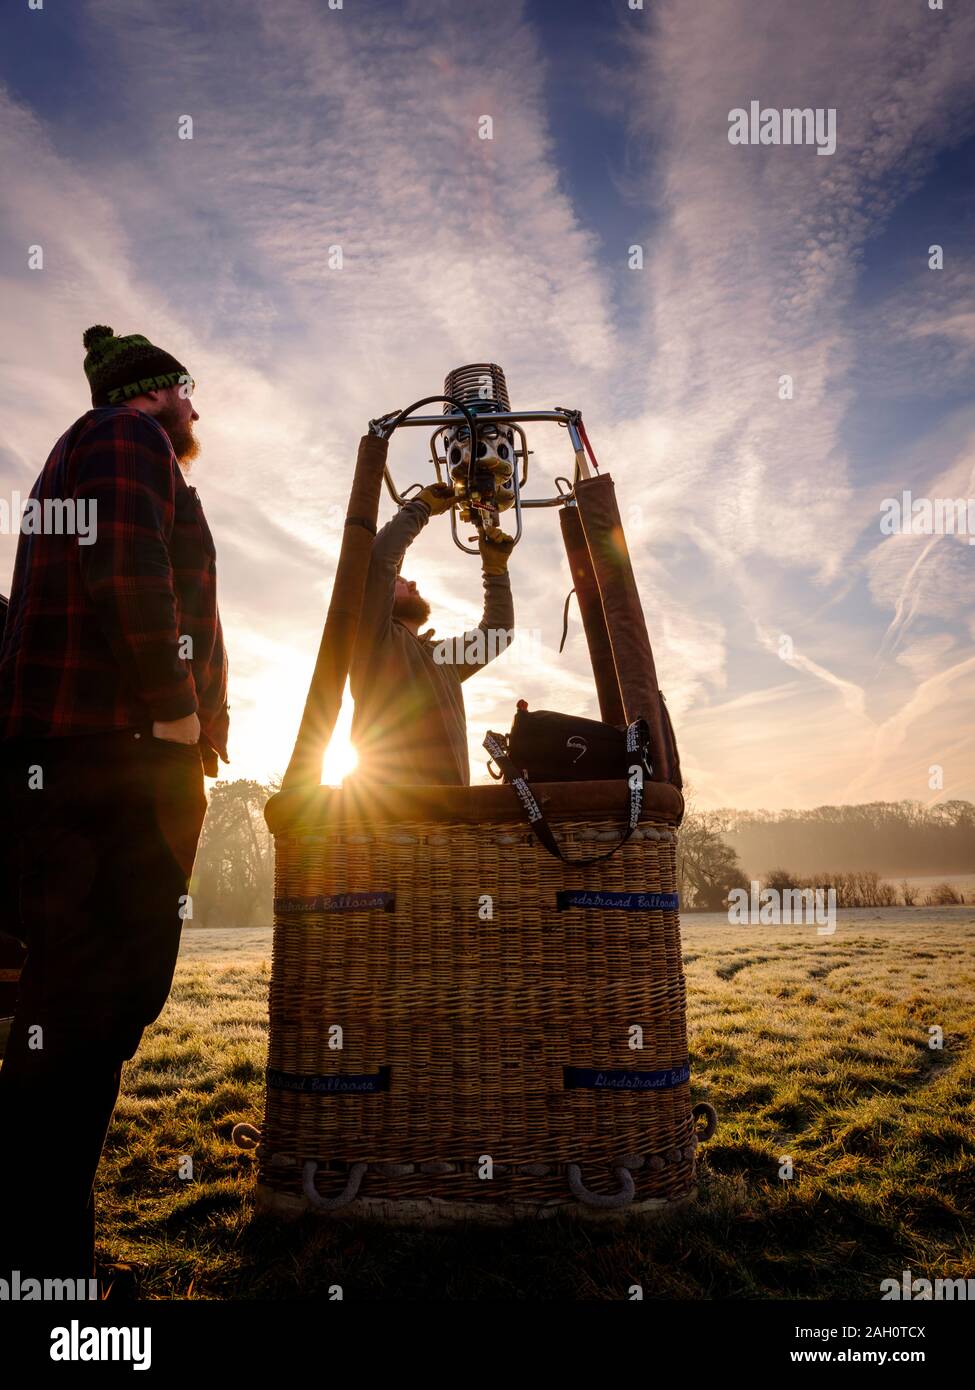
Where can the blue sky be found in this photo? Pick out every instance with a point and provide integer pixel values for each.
(751, 519)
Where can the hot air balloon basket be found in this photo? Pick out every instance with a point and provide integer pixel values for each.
(462, 1026)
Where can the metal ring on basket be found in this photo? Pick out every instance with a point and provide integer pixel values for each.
(349, 1191)
(711, 1117)
(602, 1199)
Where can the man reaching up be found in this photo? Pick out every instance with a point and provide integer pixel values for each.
(409, 724)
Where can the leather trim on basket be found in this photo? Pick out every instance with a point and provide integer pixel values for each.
(364, 802)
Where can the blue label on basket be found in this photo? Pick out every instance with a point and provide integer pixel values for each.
(337, 902)
(367, 1084)
(629, 902)
(589, 1079)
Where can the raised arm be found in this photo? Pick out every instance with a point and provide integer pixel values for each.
(388, 549)
(494, 632)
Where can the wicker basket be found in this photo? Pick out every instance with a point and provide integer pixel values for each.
(484, 1065)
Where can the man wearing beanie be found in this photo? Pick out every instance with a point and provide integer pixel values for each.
(113, 705)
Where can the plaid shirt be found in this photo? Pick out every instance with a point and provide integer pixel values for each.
(125, 630)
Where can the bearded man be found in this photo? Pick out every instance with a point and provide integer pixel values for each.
(113, 705)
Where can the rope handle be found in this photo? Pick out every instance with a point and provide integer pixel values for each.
(621, 1198)
(348, 1193)
(710, 1116)
(606, 1201)
(246, 1136)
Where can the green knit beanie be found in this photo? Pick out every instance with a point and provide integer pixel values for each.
(120, 368)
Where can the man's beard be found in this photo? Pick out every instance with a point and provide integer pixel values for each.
(185, 444)
(412, 608)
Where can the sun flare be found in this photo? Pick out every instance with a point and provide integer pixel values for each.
(341, 759)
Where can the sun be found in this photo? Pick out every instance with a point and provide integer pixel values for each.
(341, 759)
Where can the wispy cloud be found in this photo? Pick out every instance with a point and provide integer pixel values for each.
(748, 515)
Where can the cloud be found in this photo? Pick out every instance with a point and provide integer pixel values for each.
(852, 695)
(920, 576)
(918, 339)
(745, 513)
(925, 656)
(753, 275)
(946, 694)
(308, 133)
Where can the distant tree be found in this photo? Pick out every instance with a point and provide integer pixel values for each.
(944, 895)
(233, 878)
(860, 889)
(780, 880)
(909, 892)
(707, 866)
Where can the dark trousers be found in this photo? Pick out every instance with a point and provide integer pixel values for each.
(102, 833)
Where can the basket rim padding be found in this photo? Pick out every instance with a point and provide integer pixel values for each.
(363, 802)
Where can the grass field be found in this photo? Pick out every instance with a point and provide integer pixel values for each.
(811, 1047)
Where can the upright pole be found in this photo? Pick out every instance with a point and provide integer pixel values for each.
(341, 623)
(635, 668)
(593, 618)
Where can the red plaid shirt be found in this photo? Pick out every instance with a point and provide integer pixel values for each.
(125, 630)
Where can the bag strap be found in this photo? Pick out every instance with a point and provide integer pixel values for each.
(637, 742)
(565, 619)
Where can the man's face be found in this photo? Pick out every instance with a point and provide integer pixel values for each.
(407, 603)
(176, 415)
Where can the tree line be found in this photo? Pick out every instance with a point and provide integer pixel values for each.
(891, 838)
(709, 853)
(233, 878)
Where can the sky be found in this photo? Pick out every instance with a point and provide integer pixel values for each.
(615, 252)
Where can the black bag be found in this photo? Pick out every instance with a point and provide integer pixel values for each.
(551, 747)
(546, 746)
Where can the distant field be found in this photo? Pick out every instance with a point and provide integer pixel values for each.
(811, 1047)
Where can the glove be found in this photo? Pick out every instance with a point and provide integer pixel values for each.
(439, 497)
(495, 547)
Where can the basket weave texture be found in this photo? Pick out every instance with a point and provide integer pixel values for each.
(476, 993)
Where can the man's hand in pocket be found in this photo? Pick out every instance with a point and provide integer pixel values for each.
(185, 730)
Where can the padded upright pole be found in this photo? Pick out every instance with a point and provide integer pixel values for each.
(335, 651)
(593, 618)
(626, 625)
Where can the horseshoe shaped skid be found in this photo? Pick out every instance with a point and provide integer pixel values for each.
(601, 1199)
(356, 1174)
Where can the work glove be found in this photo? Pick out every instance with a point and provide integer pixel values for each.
(439, 497)
(495, 547)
